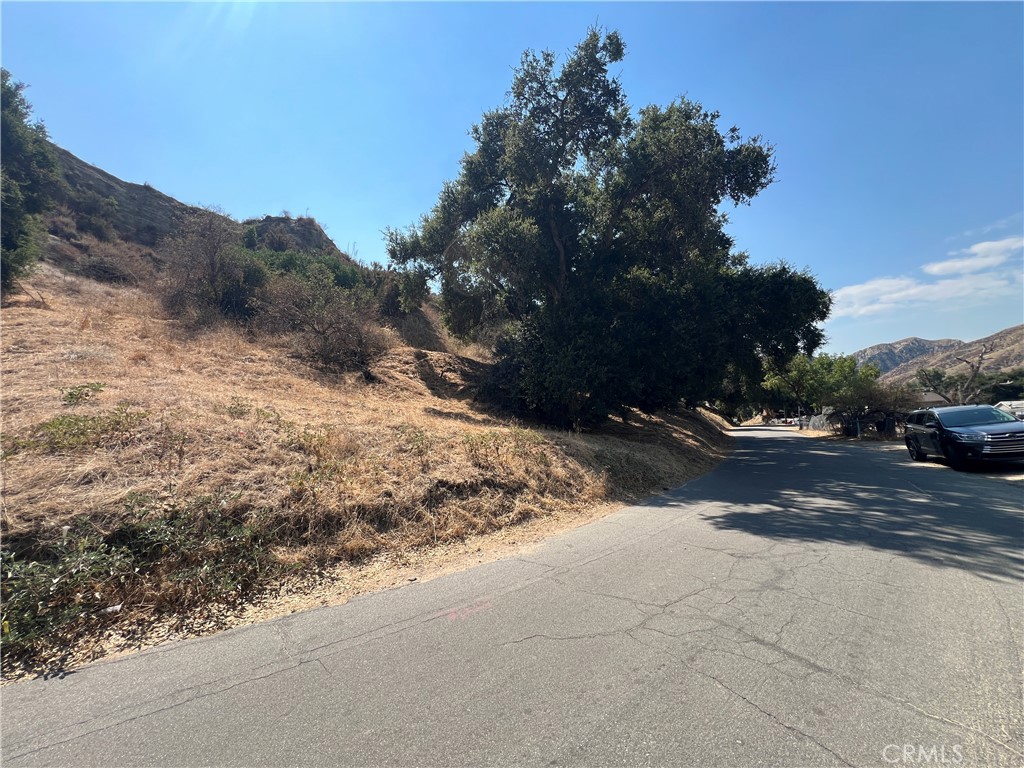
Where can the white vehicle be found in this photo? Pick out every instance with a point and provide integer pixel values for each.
(1016, 407)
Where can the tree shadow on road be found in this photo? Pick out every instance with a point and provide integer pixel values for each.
(804, 490)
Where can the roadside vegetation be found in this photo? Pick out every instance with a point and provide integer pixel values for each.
(844, 394)
(152, 469)
(851, 398)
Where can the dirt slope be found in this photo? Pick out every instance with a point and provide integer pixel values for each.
(229, 475)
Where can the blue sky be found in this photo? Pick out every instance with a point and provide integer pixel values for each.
(899, 128)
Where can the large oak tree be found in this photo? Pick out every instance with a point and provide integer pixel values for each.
(588, 242)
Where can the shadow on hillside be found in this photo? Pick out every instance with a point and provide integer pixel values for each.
(464, 379)
(452, 377)
(417, 330)
(465, 418)
(791, 489)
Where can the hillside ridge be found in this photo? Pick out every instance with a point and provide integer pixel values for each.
(1007, 352)
(890, 355)
(143, 215)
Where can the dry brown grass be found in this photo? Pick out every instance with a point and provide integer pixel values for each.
(83, 254)
(336, 467)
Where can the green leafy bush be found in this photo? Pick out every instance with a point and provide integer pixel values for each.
(80, 393)
(94, 214)
(298, 263)
(211, 275)
(334, 327)
(239, 408)
(163, 552)
(72, 431)
(396, 292)
(251, 239)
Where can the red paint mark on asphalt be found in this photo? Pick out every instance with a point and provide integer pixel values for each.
(459, 614)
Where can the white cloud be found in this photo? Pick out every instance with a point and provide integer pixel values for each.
(889, 294)
(1010, 221)
(976, 258)
(977, 276)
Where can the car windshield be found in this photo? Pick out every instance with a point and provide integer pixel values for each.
(974, 417)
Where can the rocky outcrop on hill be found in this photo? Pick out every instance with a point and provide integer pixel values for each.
(281, 233)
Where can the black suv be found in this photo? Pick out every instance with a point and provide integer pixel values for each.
(964, 432)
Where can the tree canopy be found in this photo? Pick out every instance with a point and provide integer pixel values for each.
(836, 385)
(29, 179)
(973, 385)
(828, 381)
(588, 243)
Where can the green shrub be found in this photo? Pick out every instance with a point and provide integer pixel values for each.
(174, 555)
(19, 262)
(243, 283)
(251, 239)
(94, 214)
(298, 263)
(333, 327)
(240, 407)
(211, 274)
(396, 292)
(72, 431)
(80, 393)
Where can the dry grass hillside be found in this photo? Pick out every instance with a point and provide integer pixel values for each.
(151, 472)
(1005, 352)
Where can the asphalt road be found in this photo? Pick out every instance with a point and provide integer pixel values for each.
(806, 604)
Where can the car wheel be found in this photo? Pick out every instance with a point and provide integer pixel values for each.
(915, 451)
(956, 461)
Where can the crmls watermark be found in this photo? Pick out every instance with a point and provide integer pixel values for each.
(919, 754)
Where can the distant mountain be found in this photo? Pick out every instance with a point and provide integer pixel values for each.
(886, 357)
(910, 355)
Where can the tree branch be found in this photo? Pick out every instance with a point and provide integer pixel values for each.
(563, 267)
(975, 368)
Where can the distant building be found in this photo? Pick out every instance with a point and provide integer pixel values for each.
(930, 399)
